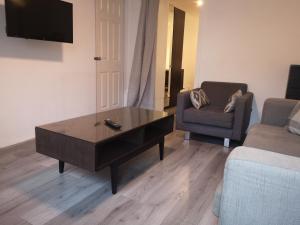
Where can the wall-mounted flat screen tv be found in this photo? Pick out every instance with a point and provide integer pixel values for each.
(50, 20)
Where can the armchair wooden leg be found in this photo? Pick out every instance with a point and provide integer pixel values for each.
(226, 142)
(187, 136)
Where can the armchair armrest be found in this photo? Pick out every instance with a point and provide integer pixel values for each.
(242, 116)
(276, 111)
(260, 187)
(183, 102)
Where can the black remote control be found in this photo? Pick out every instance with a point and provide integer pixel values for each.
(112, 124)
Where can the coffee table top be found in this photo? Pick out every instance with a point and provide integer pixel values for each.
(92, 127)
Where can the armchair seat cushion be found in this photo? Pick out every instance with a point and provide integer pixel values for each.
(209, 115)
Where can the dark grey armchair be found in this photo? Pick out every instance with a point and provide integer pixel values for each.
(211, 120)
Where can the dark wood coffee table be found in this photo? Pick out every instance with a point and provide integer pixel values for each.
(88, 143)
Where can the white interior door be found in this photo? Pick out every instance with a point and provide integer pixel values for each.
(109, 54)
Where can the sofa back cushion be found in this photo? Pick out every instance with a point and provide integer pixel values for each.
(276, 111)
(219, 92)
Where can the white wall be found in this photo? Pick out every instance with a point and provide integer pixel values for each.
(170, 37)
(250, 41)
(43, 82)
(161, 53)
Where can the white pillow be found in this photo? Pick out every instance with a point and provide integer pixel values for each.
(199, 98)
(232, 101)
(294, 120)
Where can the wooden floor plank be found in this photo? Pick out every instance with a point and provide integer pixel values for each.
(198, 195)
(178, 190)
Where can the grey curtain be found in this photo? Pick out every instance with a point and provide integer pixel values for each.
(142, 78)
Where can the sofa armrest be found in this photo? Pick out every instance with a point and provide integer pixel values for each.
(260, 187)
(276, 111)
(183, 102)
(242, 116)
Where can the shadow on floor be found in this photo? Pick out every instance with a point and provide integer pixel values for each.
(214, 140)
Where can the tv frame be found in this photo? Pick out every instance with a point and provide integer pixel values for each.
(71, 40)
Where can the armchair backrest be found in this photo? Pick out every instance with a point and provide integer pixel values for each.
(219, 92)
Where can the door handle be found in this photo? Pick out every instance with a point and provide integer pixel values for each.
(97, 58)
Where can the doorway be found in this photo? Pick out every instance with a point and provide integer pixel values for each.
(174, 75)
(181, 19)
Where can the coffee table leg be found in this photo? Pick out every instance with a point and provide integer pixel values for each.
(161, 149)
(114, 178)
(61, 166)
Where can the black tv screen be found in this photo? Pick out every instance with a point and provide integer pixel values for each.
(50, 20)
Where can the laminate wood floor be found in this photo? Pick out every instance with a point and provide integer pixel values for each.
(178, 190)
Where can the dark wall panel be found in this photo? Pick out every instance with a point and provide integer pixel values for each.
(293, 88)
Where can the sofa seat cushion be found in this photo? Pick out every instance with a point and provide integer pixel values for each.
(208, 115)
(273, 138)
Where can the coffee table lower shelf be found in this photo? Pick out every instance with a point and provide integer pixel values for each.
(115, 164)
